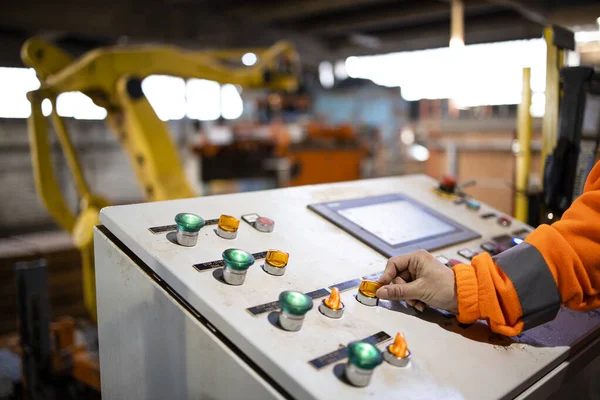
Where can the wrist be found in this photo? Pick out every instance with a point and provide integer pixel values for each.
(467, 293)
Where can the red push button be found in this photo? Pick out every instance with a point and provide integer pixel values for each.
(448, 184)
(502, 248)
(453, 262)
(504, 221)
(263, 224)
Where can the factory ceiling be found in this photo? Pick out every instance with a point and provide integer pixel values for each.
(322, 29)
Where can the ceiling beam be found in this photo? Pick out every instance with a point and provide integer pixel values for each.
(409, 39)
(526, 9)
(383, 17)
(154, 25)
(584, 15)
(294, 9)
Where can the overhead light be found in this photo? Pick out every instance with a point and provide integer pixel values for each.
(407, 136)
(46, 107)
(418, 152)
(166, 95)
(249, 59)
(587, 36)
(77, 105)
(203, 99)
(232, 105)
(489, 74)
(15, 83)
(538, 105)
(339, 70)
(326, 74)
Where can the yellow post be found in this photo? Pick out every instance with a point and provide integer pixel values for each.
(524, 154)
(457, 23)
(555, 59)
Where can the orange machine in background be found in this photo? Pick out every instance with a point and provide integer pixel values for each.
(322, 154)
(329, 154)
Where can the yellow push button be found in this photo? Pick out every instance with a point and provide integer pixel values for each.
(276, 262)
(277, 258)
(228, 226)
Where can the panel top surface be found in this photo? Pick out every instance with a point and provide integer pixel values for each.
(448, 361)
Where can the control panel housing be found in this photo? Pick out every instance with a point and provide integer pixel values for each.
(168, 327)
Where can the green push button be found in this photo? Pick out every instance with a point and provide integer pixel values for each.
(364, 355)
(237, 259)
(295, 303)
(189, 222)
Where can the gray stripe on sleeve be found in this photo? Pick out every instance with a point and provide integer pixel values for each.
(526, 268)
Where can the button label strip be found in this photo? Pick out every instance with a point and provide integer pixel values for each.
(274, 305)
(342, 353)
(315, 294)
(354, 283)
(168, 228)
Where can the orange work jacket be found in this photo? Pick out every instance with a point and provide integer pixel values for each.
(525, 285)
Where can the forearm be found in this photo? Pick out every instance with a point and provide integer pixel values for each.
(524, 286)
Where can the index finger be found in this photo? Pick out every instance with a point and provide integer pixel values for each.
(395, 266)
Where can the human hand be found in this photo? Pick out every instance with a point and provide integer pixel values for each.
(419, 278)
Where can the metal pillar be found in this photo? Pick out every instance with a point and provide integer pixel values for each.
(524, 154)
(34, 314)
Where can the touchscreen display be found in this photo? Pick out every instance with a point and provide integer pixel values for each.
(396, 222)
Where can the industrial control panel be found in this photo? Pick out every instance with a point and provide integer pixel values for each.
(271, 295)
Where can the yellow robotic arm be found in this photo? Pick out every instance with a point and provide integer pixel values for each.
(112, 78)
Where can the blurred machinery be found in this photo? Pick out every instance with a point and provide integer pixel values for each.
(570, 134)
(54, 365)
(329, 154)
(284, 150)
(577, 143)
(112, 78)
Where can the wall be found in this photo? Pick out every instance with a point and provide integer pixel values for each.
(483, 154)
(105, 165)
(363, 103)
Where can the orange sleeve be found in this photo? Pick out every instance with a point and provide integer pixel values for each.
(571, 251)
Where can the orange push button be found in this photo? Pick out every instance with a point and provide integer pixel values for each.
(332, 306)
(367, 293)
(397, 353)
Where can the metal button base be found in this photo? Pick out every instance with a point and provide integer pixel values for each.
(396, 361)
(269, 269)
(187, 239)
(226, 234)
(358, 376)
(331, 313)
(366, 300)
(234, 277)
(289, 322)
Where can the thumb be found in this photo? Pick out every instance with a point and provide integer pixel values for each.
(401, 291)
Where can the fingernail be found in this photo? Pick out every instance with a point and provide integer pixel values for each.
(420, 307)
(382, 293)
